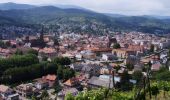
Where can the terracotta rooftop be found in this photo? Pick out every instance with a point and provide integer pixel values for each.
(71, 82)
(50, 77)
(3, 88)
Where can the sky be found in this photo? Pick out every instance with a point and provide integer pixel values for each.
(125, 7)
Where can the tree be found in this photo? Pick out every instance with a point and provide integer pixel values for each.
(18, 52)
(44, 95)
(60, 72)
(8, 43)
(130, 66)
(62, 60)
(44, 58)
(164, 76)
(56, 42)
(117, 68)
(21, 74)
(32, 51)
(2, 44)
(152, 48)
(137, 75)
(68, 73)
(69, 97)
(155, 90)
(125, 84)
(116, 46)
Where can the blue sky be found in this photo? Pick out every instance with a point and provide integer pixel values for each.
(126, 7)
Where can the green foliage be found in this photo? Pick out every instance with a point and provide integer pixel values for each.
(101, 94)
(18, 52)
(125, 84)
(137, 75)
(44, 58)
(130, 66)
(62, 60)
(152, 48)
(2, 44)
(75, 18)
(32, 51)
(69, 97)
(56, 42)
(44, 95)
(19, 74)
(154, 90)
(163, 75)
(117, 68)
(17, 61)
(116, 46)
(122, 96)
(60, 72)
(65, 73)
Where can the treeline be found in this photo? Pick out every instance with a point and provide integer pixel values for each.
(28, 68)
(20, 74)
(18, 61)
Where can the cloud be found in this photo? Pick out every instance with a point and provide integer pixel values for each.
(128, 7)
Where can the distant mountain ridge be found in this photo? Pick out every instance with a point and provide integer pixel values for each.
(11, 5)
(80, 19)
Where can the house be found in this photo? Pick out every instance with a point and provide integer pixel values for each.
(156, 66)
(26, 90)
(138, 67)
(101, 81)
(79, 56)
(91, 69)
(131, 59)
(66, 91)
(137, 48)
(41, 84)
(100, 50)
(7, 93)
(106, 70)
(77, 67)
(71, 82)
(88, 54)
(123, 52)
(14, 96)
(46, 81)
(48, 52)
(108, 57)
(51, 79)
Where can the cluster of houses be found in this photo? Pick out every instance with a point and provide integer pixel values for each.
(28, 89)
(94, 59)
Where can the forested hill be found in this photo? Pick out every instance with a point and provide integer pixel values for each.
(83, 20)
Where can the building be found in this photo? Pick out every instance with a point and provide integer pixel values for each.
(77, 67)
(91, 69)
(48, 52)
(123, 53)
(72, 82)
(156, 66)
(108, 57)
(101, 81)
(64, 92)
(6, 93)
(45, 82)
(131, 59)
(26, 90)
(106, 70)
(41, 84)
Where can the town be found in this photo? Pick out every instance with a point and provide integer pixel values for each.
(57, 66)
